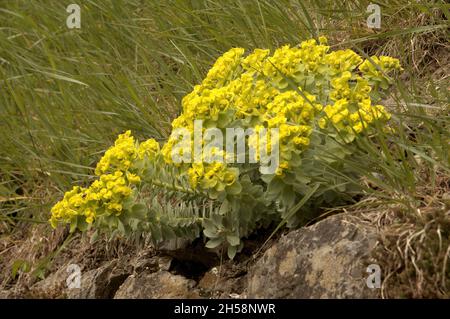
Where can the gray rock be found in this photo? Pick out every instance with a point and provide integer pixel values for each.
(326, 260)
(161, 284)
(225, 281)
(100, 283)
(53, 286)
(152, 264)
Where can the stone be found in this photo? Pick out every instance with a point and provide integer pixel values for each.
(51, 287)
(160, 284)
(225, 281)
(100, 283)
(152, 264)
(326, 260)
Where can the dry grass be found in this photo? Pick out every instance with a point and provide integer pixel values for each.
(414, 246)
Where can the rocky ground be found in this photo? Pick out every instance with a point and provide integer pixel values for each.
(326, 260)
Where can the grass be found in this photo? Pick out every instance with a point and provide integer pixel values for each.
(66, 94)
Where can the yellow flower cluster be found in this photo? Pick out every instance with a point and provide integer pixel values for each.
(353, 122)
(122, 155)
(224, 69)
(292, 89)
(377, 67)
(119, 157)
(117, 175)
(69, 206)
(252, 96)
(290, 62)
(352, 110)
(206, 105)
(148, 149)
(293, 115)
(342, 60)
(254, 61)
(104, 197)
(214, 175)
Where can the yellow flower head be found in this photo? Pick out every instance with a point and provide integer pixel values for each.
(118, 157)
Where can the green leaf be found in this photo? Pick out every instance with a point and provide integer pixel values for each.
(128, 203)
(302, 178)
(267, 178)
(210, 233)
(213, 243)
(120, 227)
(82, 225)
(213, 194)
(224, 207)
(111, 221)
(167, 232)
(20, 265)
(234, 189)
(231, 251)
(156, 233)
(233, 240)
(223, 120)
(208, 224)
(288, 197)
(73, 224)
(134, 223)
(139, 211)
(274, 189)
(94, 237)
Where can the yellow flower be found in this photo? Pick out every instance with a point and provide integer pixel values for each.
(214, 175)
(148, 148)
(222, 70)
(90, 215)
(115, 206)
(133, 178)
(254, 61)
(341, 87)
(301, 141)
(323, 39)
(229, 178)
(342, 60)
(377, 67)
(120, 156)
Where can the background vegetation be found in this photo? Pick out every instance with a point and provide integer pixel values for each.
(66, 94)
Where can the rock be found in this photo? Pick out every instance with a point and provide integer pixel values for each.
(101, 282)
(152, 264)
(51, 287)
(226, 281)
(161, 284)
(326, 260)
